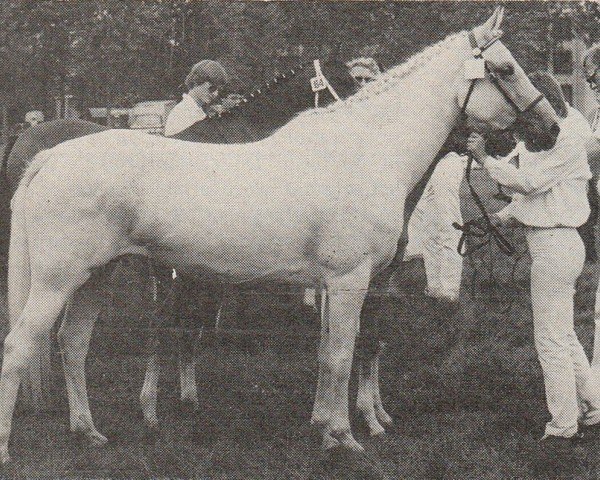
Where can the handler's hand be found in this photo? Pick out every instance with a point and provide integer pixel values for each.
(494, 219)
(476, 145)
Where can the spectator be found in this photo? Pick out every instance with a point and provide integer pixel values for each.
(203, 84)
(363, 70)
(591, 66)
(33, 118)
(430, 231)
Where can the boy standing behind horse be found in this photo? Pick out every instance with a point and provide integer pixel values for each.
(203, 84)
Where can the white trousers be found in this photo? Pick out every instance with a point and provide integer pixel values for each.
(430, 231)
(596, 352)
(557, 261)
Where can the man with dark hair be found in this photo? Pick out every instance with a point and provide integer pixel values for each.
(203, 84)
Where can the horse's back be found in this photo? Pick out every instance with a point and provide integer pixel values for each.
(42, 137)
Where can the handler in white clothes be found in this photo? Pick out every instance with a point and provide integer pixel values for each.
(203, 83)
(591, 65)
(430, 231)
(552, 204)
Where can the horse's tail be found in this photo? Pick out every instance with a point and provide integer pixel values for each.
(19, 273)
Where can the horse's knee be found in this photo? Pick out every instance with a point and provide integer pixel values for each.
(339, 363)
(18, 353)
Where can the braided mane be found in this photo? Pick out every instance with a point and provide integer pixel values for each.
(393, 77)
(249, 98)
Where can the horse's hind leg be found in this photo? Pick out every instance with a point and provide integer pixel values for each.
(148, 395)
(365, 400)
(41, 311)
(381, 414)
(198, 306)
(187, 368)
(74, 340)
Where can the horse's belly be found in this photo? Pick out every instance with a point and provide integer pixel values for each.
(234, 244)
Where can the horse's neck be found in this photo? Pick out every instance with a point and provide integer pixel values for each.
(405, 126)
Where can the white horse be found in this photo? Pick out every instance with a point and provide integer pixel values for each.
(319, 203)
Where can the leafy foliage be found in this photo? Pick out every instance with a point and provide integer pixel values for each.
(117, 52)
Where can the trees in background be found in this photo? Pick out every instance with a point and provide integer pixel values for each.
(115, 52)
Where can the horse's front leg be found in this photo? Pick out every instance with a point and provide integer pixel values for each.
(368, 353)
(74, 339)
(345, 297)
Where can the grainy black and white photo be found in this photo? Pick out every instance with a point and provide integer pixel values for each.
(313, 240)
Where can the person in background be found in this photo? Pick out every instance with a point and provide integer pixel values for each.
(364, 69)
(588, 229)
(33, 118)
(591, 67)
(430, 231)
(203, 84)
(552, 203)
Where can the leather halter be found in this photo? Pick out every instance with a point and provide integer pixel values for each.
(485, 228)
(478, 53)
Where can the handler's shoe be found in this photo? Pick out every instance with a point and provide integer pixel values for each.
(590, 420)
(557, 456)
(554, 441)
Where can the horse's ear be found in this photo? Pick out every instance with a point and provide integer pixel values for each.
(494, 22)
(490, 30)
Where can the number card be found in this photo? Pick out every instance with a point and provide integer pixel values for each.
(318, 84)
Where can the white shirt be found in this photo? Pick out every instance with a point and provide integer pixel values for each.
(184, 115)
(552, 184)
(577, 122)
(596, 124)
(430, 231)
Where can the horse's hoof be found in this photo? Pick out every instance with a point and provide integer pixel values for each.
(329, 442)
(318, 420)
(92, 438)
(96, 439)
(347, 441)
(384, 418)
(376, 430)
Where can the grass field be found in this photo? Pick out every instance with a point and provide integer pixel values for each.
(464, 388)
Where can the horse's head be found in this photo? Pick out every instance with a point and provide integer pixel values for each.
(495, 93)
